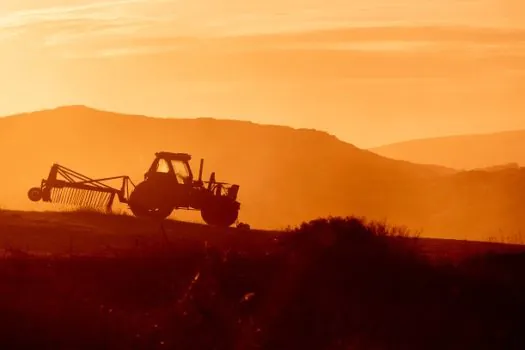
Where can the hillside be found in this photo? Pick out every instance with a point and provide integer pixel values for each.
(286, 175)
(93, 234)
(461, 152)
(87, 281)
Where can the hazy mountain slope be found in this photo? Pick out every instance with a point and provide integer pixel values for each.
(286, 175)
(461, 152)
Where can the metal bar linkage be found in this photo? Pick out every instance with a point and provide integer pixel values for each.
(80, 190)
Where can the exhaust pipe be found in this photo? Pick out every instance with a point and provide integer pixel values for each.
(200, 170)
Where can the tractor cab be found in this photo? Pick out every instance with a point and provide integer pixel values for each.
(170, 167)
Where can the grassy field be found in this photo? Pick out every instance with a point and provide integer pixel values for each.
(83, 280)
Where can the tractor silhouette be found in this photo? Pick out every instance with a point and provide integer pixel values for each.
(168, 185)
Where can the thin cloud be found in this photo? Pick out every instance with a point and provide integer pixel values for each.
(93, 11)
(173, 18)
(63, 25)
(386, 39)
(138, 27)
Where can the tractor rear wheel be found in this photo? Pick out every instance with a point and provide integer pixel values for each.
(154, 213)
(219, 215)
(146, 202)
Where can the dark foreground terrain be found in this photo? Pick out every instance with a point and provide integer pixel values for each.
(90, 281)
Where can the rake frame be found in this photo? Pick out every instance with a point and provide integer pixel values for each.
(91, 192)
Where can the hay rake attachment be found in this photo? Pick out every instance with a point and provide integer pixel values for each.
(69, 187)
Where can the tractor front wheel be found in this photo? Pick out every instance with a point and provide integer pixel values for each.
(219, 215)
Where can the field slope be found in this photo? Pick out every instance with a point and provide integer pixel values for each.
(89, 233)
(85, 280)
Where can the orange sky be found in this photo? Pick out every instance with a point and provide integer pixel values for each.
(368, 71)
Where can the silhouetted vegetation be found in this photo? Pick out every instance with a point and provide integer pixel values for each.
(335, 283)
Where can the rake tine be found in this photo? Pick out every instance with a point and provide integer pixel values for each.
(97, 199)
(58, 195)
(78, 194)
(86, 198)
(73, 197)
(67, 197)
(100, 198)
(81, 197)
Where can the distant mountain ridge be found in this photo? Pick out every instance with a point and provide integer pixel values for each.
(462, 151)
(286, 175)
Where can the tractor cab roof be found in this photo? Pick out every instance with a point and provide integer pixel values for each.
(173, 156)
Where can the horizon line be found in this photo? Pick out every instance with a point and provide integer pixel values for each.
(234, 119)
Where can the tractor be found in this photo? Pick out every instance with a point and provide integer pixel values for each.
(168, 185)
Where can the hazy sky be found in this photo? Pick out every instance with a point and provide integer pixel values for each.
(368, 71)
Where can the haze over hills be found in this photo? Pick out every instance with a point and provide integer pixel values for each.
(286, 175)
(462, 151)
